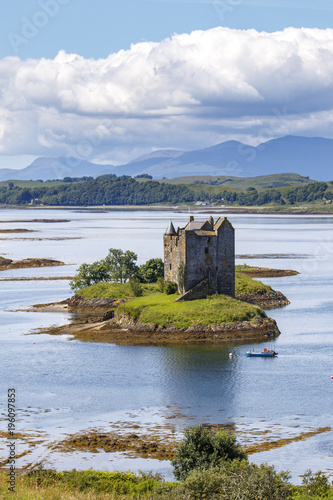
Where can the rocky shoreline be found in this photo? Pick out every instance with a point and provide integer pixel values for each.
(271, 300)
(94, 321)
(6, 264)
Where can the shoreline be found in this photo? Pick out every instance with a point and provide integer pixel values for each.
(182, 208)
(94, 321)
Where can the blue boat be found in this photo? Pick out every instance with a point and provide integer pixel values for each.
(266, 353)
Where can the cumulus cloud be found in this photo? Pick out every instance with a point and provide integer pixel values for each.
(190, 90)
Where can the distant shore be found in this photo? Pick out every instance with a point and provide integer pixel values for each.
(303, 210)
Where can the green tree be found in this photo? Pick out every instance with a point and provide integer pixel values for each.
(88, 274)
(121, 265)
(202, 448)
(151, 271)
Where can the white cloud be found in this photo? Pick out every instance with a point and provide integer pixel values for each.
(185, 92)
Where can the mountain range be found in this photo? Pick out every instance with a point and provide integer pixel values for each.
(307, 156)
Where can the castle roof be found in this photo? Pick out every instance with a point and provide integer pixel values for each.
(170, 229)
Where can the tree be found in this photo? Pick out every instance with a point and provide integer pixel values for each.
(88, 274)
(121, 265)
(151, 271)
(202, 449)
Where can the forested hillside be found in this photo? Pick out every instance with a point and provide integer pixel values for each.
(112, 190)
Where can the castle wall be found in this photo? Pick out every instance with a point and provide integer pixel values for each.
(200, 258)
(174, 254)
(226, 259)
(207, 254)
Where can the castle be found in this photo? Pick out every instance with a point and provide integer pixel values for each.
(201, 256)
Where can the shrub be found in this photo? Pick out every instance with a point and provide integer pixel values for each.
(238, 480)
(161, 284)
(136, 287)
(202, 448)
(170, 288)
(315, 483)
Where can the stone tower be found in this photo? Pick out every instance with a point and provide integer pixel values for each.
(202, 251)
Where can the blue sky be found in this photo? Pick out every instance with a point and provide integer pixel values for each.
(97, 28)
(129, 91)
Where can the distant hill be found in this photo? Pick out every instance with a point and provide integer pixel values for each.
(243, 183)
(307, 156)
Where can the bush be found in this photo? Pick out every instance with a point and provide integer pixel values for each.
(170, 288)
(160, 284)
(238, 480)
(136, 287)
(202, 449)
(315, 483)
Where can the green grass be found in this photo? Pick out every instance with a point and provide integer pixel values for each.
(241, 183)
(83, 484)
(155, 307)
(162, 310)
(30, 184)
(246, 285)
(106, 290)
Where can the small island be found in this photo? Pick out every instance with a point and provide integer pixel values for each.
(203, 298)
(6, 264)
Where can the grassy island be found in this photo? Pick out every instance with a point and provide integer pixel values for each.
(109, 312)
(162, 310)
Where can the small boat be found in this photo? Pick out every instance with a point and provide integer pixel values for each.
(266, 353)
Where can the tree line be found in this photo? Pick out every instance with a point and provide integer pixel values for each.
(124, 190)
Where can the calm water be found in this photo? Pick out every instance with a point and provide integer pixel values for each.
(64, 386)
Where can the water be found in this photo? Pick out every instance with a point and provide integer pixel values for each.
(64, 386)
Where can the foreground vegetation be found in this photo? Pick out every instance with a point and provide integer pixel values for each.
(210, 465)
(236, 480)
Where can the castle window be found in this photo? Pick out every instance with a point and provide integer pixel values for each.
(206, 250)
(170, 267)
(208, 239)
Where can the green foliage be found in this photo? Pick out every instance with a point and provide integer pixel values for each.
(316, 484)
(117, 266)
(238, 480)
(87, 274)
(121, 265)
(162, 309)
(170, 288)
(161, 284)
(151, 271)
(202, 448)
(136, 287)
(108, 290)
(124, 190)
(121, 483)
